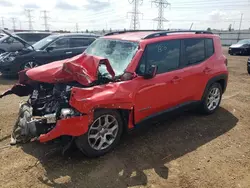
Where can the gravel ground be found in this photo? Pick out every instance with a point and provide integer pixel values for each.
(186, 151)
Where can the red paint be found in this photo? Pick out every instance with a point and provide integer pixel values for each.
(74, 126)
(81, 68)
(142, 97)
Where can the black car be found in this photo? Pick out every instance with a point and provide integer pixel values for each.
(240, 48)
(248, 65)
(52, 48)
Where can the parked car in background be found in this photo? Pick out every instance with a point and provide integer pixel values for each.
(2, 35)
(248, 65)
(240, 48)
(52, 48)
(9, 44)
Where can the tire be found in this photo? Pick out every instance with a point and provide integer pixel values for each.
(89, 143)
(248, 70)
(205, 107)
(29, 65)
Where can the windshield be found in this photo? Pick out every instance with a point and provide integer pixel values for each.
(118, 52)
(40, 44)
(245, 41)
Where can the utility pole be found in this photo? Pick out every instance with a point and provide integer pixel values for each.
(191, 26)
(240, 26)
(13, 23)
(161, 4)
(28, 14)
(45, 18)
(77, 27)
(2, 18)
(135, 23)
(20, 24)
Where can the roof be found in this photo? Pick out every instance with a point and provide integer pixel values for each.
(75, 34)
(138, 35)
(32, 32)
(131, 36)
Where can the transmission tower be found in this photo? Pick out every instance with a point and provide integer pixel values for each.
(28, 14)
(2, 18)
(45, 18)
(135, 23)
(13, 23)
(160, 4)
(20, 25)
(77, 27)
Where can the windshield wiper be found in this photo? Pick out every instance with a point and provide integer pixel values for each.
(18, 39)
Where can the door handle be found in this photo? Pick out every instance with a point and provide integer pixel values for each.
(207, 70)
(176, 80)
(68, 52)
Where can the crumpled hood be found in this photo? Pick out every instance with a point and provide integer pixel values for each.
(81, 68)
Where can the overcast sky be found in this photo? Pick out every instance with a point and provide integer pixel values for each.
(103, 14)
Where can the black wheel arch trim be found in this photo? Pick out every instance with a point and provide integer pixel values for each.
(217, 78)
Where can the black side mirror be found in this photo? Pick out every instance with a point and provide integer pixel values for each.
(151, 72)
(49, 49)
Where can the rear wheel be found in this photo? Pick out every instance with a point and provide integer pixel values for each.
(212, 99)
(103, 134)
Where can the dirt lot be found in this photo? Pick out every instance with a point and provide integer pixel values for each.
(185, 151)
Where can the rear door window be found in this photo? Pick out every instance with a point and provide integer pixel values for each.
(209, 47)
(80, 42)
(194, 51)
(61, 43)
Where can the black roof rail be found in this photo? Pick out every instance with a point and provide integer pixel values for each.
(165, 33)
(120, 32)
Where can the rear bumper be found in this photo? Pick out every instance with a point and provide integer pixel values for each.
(74, 126)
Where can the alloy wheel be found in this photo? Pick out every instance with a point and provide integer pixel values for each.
(213, 99)
(30, 65)
(103, 132)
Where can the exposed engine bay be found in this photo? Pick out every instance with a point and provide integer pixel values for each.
(47, 104)
(49, 88)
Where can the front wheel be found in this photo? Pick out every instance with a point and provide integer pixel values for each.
(29, 65)
(103, 134)
(212, 99)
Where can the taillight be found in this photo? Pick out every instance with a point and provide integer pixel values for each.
(226, 62)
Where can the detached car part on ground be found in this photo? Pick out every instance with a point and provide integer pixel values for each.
(110, 88)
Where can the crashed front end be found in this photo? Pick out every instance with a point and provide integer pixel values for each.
(49, 111)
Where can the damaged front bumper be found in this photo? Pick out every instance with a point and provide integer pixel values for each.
(47, 127)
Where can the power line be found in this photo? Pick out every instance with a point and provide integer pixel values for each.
(13, 23)
(161, 4)
(28, 14)
(45, 18)
(135, 23)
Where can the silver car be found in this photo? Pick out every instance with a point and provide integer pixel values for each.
(8, 44)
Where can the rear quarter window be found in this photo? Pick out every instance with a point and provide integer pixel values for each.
(209, 47)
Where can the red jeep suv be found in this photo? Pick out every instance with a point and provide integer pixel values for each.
(120, 81)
